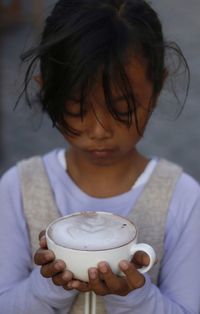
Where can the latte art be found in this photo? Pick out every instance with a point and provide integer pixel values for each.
(92, 231)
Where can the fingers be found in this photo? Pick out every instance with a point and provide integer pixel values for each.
(95, 283)
(50, 266)
(115, 284)
(111, 279)
(59, 274)
(51, 269)
(55, 269)
(140, 259)
(78, 285)
(43, 257)
(103, 281)
(63, 278)
(134, 278)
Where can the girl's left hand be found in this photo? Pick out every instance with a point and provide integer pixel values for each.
(103, 281)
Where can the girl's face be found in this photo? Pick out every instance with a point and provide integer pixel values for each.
(104, 140)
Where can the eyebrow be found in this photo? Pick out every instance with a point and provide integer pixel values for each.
(115, 100)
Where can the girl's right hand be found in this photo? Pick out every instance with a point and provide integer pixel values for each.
(50, 267)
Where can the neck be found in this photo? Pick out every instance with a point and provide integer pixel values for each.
(105, 180)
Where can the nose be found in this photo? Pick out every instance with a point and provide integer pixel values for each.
(98, 125)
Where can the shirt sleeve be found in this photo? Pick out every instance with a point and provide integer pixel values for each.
(178, 290)
(22, 289)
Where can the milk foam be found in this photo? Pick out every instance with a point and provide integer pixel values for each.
(92, 231)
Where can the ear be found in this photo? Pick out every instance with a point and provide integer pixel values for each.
(38, 79)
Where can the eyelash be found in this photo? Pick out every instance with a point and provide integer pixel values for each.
(84, 112)
(123, 114)
(76, 115)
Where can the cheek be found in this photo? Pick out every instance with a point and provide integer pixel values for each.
(76, 125)
(143, 116)
(127, 136)
(74, 122)
(72, 139)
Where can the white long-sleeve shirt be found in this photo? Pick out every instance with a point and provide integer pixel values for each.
(25, 291)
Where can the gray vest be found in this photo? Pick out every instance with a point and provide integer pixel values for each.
(149, 212)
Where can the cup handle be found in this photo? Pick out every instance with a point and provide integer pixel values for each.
(148, 250)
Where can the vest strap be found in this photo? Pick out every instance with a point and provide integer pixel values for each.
(150, 211)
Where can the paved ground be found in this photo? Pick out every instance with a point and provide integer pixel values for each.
(24, 134)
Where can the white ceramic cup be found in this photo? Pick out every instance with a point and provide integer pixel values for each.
(84, 239)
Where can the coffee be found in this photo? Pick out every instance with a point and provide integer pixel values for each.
(92, 231)
(82, 240)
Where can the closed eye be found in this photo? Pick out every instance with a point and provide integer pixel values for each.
(73, 114)
(73, 108)
(122, 109)
(121, 106)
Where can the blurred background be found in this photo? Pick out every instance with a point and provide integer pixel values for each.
(24, 133)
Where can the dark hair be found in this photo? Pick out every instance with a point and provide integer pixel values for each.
(80, 37)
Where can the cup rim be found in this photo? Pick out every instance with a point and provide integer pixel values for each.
(90, 212)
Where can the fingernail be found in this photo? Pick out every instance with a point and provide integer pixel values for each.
(103, 268)
(74, 285)
(66, 277)
(58, 266)
(42, 239)
(124, 265)
(92, 273)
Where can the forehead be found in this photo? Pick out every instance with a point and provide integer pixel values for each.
(130, 78)
(135, 70)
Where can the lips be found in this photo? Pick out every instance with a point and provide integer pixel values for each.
(101, 152)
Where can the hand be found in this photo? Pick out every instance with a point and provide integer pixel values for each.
(103, 281)
(51, 268)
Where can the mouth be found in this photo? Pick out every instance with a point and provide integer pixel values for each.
(101, 152)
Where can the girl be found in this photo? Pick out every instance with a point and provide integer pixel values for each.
(102, 68)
